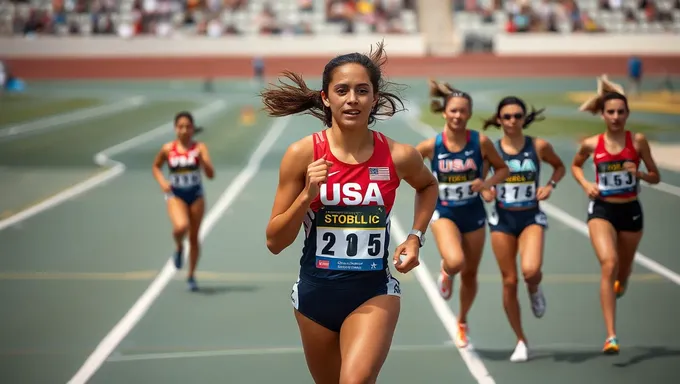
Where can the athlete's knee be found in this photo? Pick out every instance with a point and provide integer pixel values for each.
(468, 277)
(452, 264)
(180, 229)
(609, 267)
(510, 282)
(355, 375)
(532, 274)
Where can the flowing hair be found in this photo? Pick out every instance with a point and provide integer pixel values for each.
(606, 90)
(297, 98)
(442, 93)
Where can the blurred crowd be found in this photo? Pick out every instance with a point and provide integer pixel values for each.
(210, 17)
(232, 17)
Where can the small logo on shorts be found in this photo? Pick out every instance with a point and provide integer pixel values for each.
(636, 217)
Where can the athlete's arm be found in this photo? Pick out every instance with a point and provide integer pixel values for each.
(652, 176)
(500, 169)
(426, 148)
(157, 168)
(206, 161)
(546, 153)
(290, 202)
(411, 168)
(584, 151)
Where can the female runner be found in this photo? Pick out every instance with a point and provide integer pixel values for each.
(614, 212)
(184, 192)
(341, 184)
(457, 158)
(517, 223)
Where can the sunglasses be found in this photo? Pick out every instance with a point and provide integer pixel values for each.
(508, 116)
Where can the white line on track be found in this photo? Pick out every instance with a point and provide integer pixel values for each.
(103, 159)
(142, 305)
(71, 117)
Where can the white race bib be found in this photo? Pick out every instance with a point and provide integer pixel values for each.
(612, 183)
(516, 194)
(351, 238)
(456, 193)
(185, 179)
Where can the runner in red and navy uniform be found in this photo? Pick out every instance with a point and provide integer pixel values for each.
(457, 157)
(184, 191)
(340, 184)
(615, 219)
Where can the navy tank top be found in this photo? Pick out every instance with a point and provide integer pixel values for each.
(455, 171)
(518, 190)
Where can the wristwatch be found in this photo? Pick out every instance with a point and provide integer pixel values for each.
(553, 184)
(419, 235)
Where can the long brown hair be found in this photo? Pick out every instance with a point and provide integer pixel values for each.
(606, 90)
(298, 98)
(442, 93)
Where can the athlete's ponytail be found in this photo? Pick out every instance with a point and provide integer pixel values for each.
(534, 115)
(445, 92)
(606, 90)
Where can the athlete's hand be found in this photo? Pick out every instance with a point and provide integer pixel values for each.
(591, 190)
(477, 185)
(165, 187)
(410, 249)
(489, 194)
(543, 193)
(630, 167)
(317, 173)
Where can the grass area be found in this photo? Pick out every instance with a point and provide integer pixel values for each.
(552, 125)
(16, 109)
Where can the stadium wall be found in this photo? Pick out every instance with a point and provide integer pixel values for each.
(525, 55)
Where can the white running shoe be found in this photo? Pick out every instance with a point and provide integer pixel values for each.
(521, 353)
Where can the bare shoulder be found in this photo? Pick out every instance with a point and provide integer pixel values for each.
(301, 151)
(589, 143)
(639, 138)
(404, 156)
(165, 148)
(541, 144)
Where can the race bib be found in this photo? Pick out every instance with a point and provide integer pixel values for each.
(516, 194)
(185, 179)
(456, 188)
(614, 179)
(351, 238)
(456, 192)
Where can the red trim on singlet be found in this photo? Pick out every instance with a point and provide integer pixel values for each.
(628, 153)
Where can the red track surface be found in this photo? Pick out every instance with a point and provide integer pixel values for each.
(486, 65)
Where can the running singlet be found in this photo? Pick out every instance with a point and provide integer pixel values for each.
(347, 226)
(455, 172)
(612, 178)
(518, 190)
(184, 167)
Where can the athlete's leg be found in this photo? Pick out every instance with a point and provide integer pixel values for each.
(473, 246)
(531, 242)
(603, 238)
(322, 350)
(626, 246)
(179, 217)
(504, 246)
(448, 239)
(366, 337)
(195, 218)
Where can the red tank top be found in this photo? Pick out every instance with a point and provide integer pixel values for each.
(184, 167)
(347, 231)
(612, 178)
